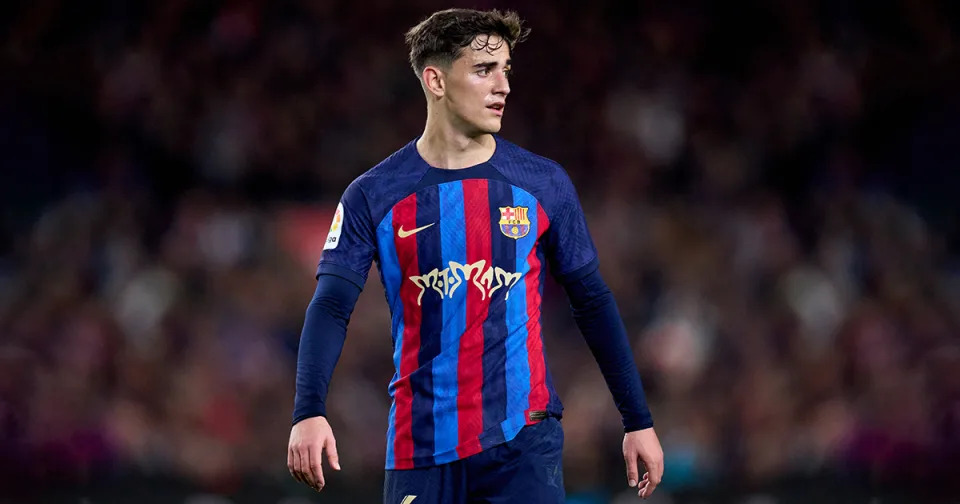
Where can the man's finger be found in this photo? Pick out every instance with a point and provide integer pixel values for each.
(316, 470)
(655, 472)
(650, 486)
(631, 461)
(298, 467)
(647, 490)
(332, 453)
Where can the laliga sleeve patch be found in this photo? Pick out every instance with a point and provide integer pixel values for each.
(333, 237)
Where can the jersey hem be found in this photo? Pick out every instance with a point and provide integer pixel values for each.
(509, 428)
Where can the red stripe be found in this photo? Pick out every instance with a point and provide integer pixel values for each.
(539, 395)
(476, 212)
(405, 215)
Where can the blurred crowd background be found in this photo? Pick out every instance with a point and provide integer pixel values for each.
(773, 188)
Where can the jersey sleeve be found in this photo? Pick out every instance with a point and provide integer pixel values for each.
(568, 245)
(351, 242)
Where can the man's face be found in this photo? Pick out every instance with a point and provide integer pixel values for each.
(477, 86)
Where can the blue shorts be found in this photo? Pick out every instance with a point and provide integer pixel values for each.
(525, 470)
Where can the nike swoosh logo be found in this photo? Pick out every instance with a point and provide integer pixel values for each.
(403, 234)
(408, 499)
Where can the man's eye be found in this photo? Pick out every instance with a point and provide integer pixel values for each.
(483, 72)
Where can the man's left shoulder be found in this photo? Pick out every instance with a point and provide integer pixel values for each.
(528, 163)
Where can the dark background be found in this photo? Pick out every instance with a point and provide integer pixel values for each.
(772, 185)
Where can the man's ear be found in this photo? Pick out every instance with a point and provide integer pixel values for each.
(433, 81)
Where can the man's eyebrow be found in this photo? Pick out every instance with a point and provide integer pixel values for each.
(491, 64)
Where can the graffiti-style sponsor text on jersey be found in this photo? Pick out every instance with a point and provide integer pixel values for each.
(446, 281)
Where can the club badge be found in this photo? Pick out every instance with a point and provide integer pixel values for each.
(514, 222)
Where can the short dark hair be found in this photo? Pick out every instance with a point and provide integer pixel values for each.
(440, 38)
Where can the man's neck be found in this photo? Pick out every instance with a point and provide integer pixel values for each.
(442, 146)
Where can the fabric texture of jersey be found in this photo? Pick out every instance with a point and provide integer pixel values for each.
(462, 255)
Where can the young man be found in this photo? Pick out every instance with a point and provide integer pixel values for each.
(462, 225)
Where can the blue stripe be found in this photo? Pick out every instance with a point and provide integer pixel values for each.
(453, 244)
(391, 431)
(503, 257)
(390, 272)
(391, 276)
(512, 425)
(518, 363)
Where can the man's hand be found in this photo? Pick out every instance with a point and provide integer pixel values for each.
(643, 444)
(308, 438)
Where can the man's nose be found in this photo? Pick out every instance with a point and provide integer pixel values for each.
(502, 84)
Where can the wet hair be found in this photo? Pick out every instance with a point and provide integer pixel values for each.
(440, 39)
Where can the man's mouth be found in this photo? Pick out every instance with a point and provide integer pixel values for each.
(497, 107)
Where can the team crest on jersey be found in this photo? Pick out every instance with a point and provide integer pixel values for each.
(514, 222)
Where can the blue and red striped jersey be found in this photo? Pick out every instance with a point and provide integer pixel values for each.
(461, 254)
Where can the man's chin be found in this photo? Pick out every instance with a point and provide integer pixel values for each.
(485, 128)
(493, 127)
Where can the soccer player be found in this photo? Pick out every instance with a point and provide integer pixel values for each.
(462, 225)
